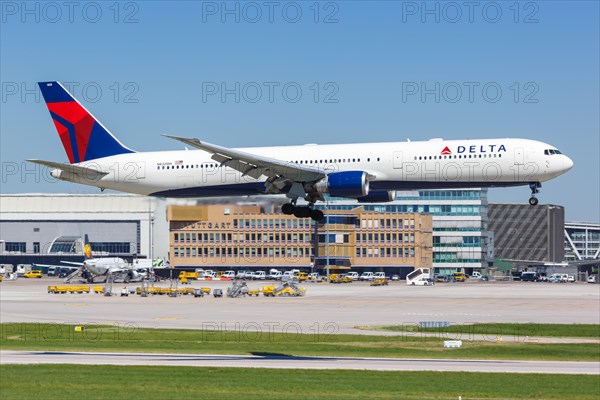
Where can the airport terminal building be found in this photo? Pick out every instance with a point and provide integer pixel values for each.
(255, 237)
(49, 228)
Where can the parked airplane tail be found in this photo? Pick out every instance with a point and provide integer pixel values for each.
(87, 248)
(83, 136)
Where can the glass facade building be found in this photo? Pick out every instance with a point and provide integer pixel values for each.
(461, 240)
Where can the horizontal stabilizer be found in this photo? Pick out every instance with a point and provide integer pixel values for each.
(70, 169)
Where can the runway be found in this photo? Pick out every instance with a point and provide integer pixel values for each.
(298, 362)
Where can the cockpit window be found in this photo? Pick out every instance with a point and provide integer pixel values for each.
(551, 151)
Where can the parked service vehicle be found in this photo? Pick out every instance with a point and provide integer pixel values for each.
(395, 277)
(259, 275)
(571, 279)
(314, 277)
(33, 274)
(289, 275)
(22, 269)
(209, 273)
(228, 274)
(379, 275)
(476, 275)
(458, 277)
(241, 274)
(353, 275)
(188, 275)
(301, 276)
(592, 279)
(6, 269)
(530, 276)
(275, 274)
(366, 276)
(554, 278)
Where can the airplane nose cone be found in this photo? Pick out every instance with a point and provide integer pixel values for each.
(568, 163)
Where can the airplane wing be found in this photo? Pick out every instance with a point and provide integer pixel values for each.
(254, 165)
(72, 263)
(71, 169)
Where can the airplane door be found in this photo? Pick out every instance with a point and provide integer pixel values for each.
(519, 160)
(397, 157)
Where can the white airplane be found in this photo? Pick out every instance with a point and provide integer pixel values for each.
(368, 172)
(105, 266)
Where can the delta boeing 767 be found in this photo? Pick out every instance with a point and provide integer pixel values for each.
(368, 172)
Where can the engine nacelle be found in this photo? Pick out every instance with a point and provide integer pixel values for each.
(350, 184)
(378, 196)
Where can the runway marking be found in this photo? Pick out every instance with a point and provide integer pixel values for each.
(168, 318)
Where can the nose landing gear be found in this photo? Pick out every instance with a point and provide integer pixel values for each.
(533, 201)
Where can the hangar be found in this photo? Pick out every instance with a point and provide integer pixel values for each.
(47, 228)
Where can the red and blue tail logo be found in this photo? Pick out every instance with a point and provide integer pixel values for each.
(83, 136)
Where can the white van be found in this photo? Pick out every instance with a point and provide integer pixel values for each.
(366, 276)
(353, 275)
(558, 278)
(228, 274)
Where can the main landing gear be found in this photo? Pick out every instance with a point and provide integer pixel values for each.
(534, 190)
(302, 212)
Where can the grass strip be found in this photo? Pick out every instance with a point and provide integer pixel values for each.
(62, 337)
(493, 330)
(82, 382)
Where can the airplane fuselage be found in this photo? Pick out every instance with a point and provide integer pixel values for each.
(391, 166)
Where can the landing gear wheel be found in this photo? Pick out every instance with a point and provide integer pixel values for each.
(533, 201)
(302, 212)
(288, 208)
(316, 215)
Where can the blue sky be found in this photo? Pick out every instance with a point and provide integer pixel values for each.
(151, 68)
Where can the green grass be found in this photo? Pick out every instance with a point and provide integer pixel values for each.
(531, 330)
(24, 336)
(46, 382)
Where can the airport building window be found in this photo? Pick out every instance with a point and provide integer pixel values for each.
(112, 247)
(36, 247)
(15, 246)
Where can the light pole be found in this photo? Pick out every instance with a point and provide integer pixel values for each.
(327, 238)
(553, 244)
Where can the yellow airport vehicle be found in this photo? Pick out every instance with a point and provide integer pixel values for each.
(301, 276)
(98, 289)
(458, 277)
(339, 278)
(286, 289)
(68, 289)
(170, 291)
(188, 275)
(1, 277)
(33, 274)
(380, 282)
(254, 292)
